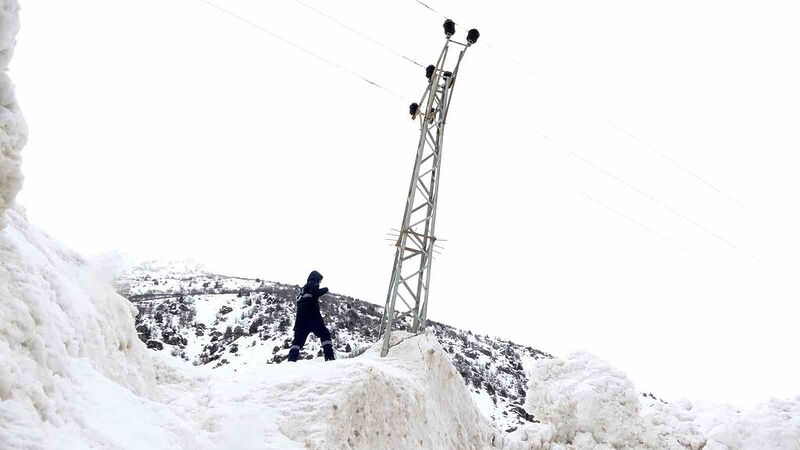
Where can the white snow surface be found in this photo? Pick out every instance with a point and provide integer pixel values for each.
(73, 375)
(584, 394)
(584, 403)
(65, 336)
(412, 399)
(13, 131)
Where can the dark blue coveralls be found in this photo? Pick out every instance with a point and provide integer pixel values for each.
(309, 319)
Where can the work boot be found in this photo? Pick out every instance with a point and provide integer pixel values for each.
(327, 350)
(294, 354)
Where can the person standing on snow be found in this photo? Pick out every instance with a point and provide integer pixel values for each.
(309, 319)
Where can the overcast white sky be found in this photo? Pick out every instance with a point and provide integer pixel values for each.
(171, 128)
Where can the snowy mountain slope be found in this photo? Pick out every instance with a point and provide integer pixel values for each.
(218, 320)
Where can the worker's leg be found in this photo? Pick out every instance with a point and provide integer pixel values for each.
(301, 331)
(324, 335)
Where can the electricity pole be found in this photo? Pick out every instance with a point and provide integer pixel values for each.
(411, 271)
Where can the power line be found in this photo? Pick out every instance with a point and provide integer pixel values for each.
(301, 48)
(517, 121)
(528, 128)
(610, 208)
(614, 124)
(575, 154)
(633, 136)
(359, 33)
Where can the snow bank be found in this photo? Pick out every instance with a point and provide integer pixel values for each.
(774, 425)
(583, 394)
(584, 403)
(414, 398)
(13, 132)
(65, 336)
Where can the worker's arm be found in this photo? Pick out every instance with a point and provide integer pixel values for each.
(320, 292)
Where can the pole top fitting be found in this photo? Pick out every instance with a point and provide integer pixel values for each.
(449, 28)
(472, 36)
(413, 109)
(429, 71)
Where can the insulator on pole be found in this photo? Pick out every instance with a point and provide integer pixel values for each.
(429, 71)
(472, 36)
(413, 109)
(447, 74)
(449, 28)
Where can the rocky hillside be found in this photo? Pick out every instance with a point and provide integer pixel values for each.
(217, 320)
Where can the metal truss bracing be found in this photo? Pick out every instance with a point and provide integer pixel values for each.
(411, 272)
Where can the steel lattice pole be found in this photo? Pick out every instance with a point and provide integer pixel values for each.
(410, 280)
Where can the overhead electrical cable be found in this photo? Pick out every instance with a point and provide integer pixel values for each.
(606, 206)
(301, 48)
(333, 19)
(614, 124)
(530, 129)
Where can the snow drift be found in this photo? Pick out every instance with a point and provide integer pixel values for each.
(583, 394)
(61, 330)
(412, 399)
(584, 403)
(13, 132)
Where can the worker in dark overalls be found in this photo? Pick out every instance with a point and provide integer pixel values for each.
(309, 319)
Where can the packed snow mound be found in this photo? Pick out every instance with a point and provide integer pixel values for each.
(584, 403)
(13, 131)
(65, 336)
(413, 398)
(583, 394)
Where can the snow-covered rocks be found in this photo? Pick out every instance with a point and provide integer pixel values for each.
(13, 131)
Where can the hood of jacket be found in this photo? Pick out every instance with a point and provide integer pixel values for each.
(314, 276)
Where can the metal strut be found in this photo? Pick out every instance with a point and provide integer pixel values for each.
(411, 271)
